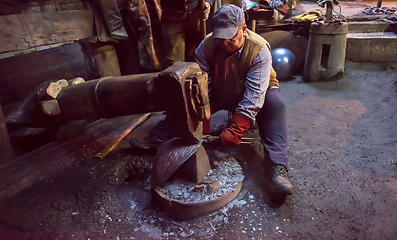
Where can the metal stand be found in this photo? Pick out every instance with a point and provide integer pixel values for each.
(325, 57)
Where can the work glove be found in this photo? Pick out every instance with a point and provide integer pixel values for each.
(206, 123)
(203, 14)
(235, 129)
(206, 126)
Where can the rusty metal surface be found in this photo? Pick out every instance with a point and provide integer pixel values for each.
(187, 211)
(170, 156)
(125, 95)
(178, 102)
(195, 168)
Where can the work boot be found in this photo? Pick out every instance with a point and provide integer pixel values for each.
(279, 182)
(150, 142)
(156, 137)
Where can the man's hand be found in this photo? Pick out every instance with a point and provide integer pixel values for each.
(206, 11)
(203, 14)
(236, 127)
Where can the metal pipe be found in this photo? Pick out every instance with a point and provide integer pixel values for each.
(329, 5)
(379, 3)
(289, 11)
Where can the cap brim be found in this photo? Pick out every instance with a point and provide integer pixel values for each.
(224, 33)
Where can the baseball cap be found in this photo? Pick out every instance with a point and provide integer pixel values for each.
(226, 21)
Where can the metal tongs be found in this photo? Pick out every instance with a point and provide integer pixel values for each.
(244, 140)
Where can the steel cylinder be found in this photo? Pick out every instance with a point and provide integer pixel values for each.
(109, 97)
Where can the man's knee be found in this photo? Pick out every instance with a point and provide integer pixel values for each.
(274, 101)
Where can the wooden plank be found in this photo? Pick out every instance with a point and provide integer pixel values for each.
(23, 31)
(120, 136)
(55, 157)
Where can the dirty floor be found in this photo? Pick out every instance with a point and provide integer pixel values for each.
(343, 164)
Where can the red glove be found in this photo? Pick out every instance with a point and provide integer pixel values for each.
(206, 127)
(236, 127)
(206, 123)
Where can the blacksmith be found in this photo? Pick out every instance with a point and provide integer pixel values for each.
(242, 81)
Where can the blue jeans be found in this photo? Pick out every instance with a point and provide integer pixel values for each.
(111, 14)
(272, 125)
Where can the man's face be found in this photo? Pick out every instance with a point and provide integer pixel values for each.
(235, 43)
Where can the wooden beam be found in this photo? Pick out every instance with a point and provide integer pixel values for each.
(121, 135)
(53, 158)
(24, 31)
(8, 7)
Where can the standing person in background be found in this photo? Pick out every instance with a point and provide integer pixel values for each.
(242, 81)
(139, 23)
(180, 23)
(108, 20)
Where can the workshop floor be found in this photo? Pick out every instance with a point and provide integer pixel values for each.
(343, 164)
(342, 147)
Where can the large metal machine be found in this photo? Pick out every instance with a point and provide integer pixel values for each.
(181, 91)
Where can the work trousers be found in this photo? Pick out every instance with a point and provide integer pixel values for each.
(111, 14)
(107, 18)
(138, 20)
(272, 126)
(181, 35)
